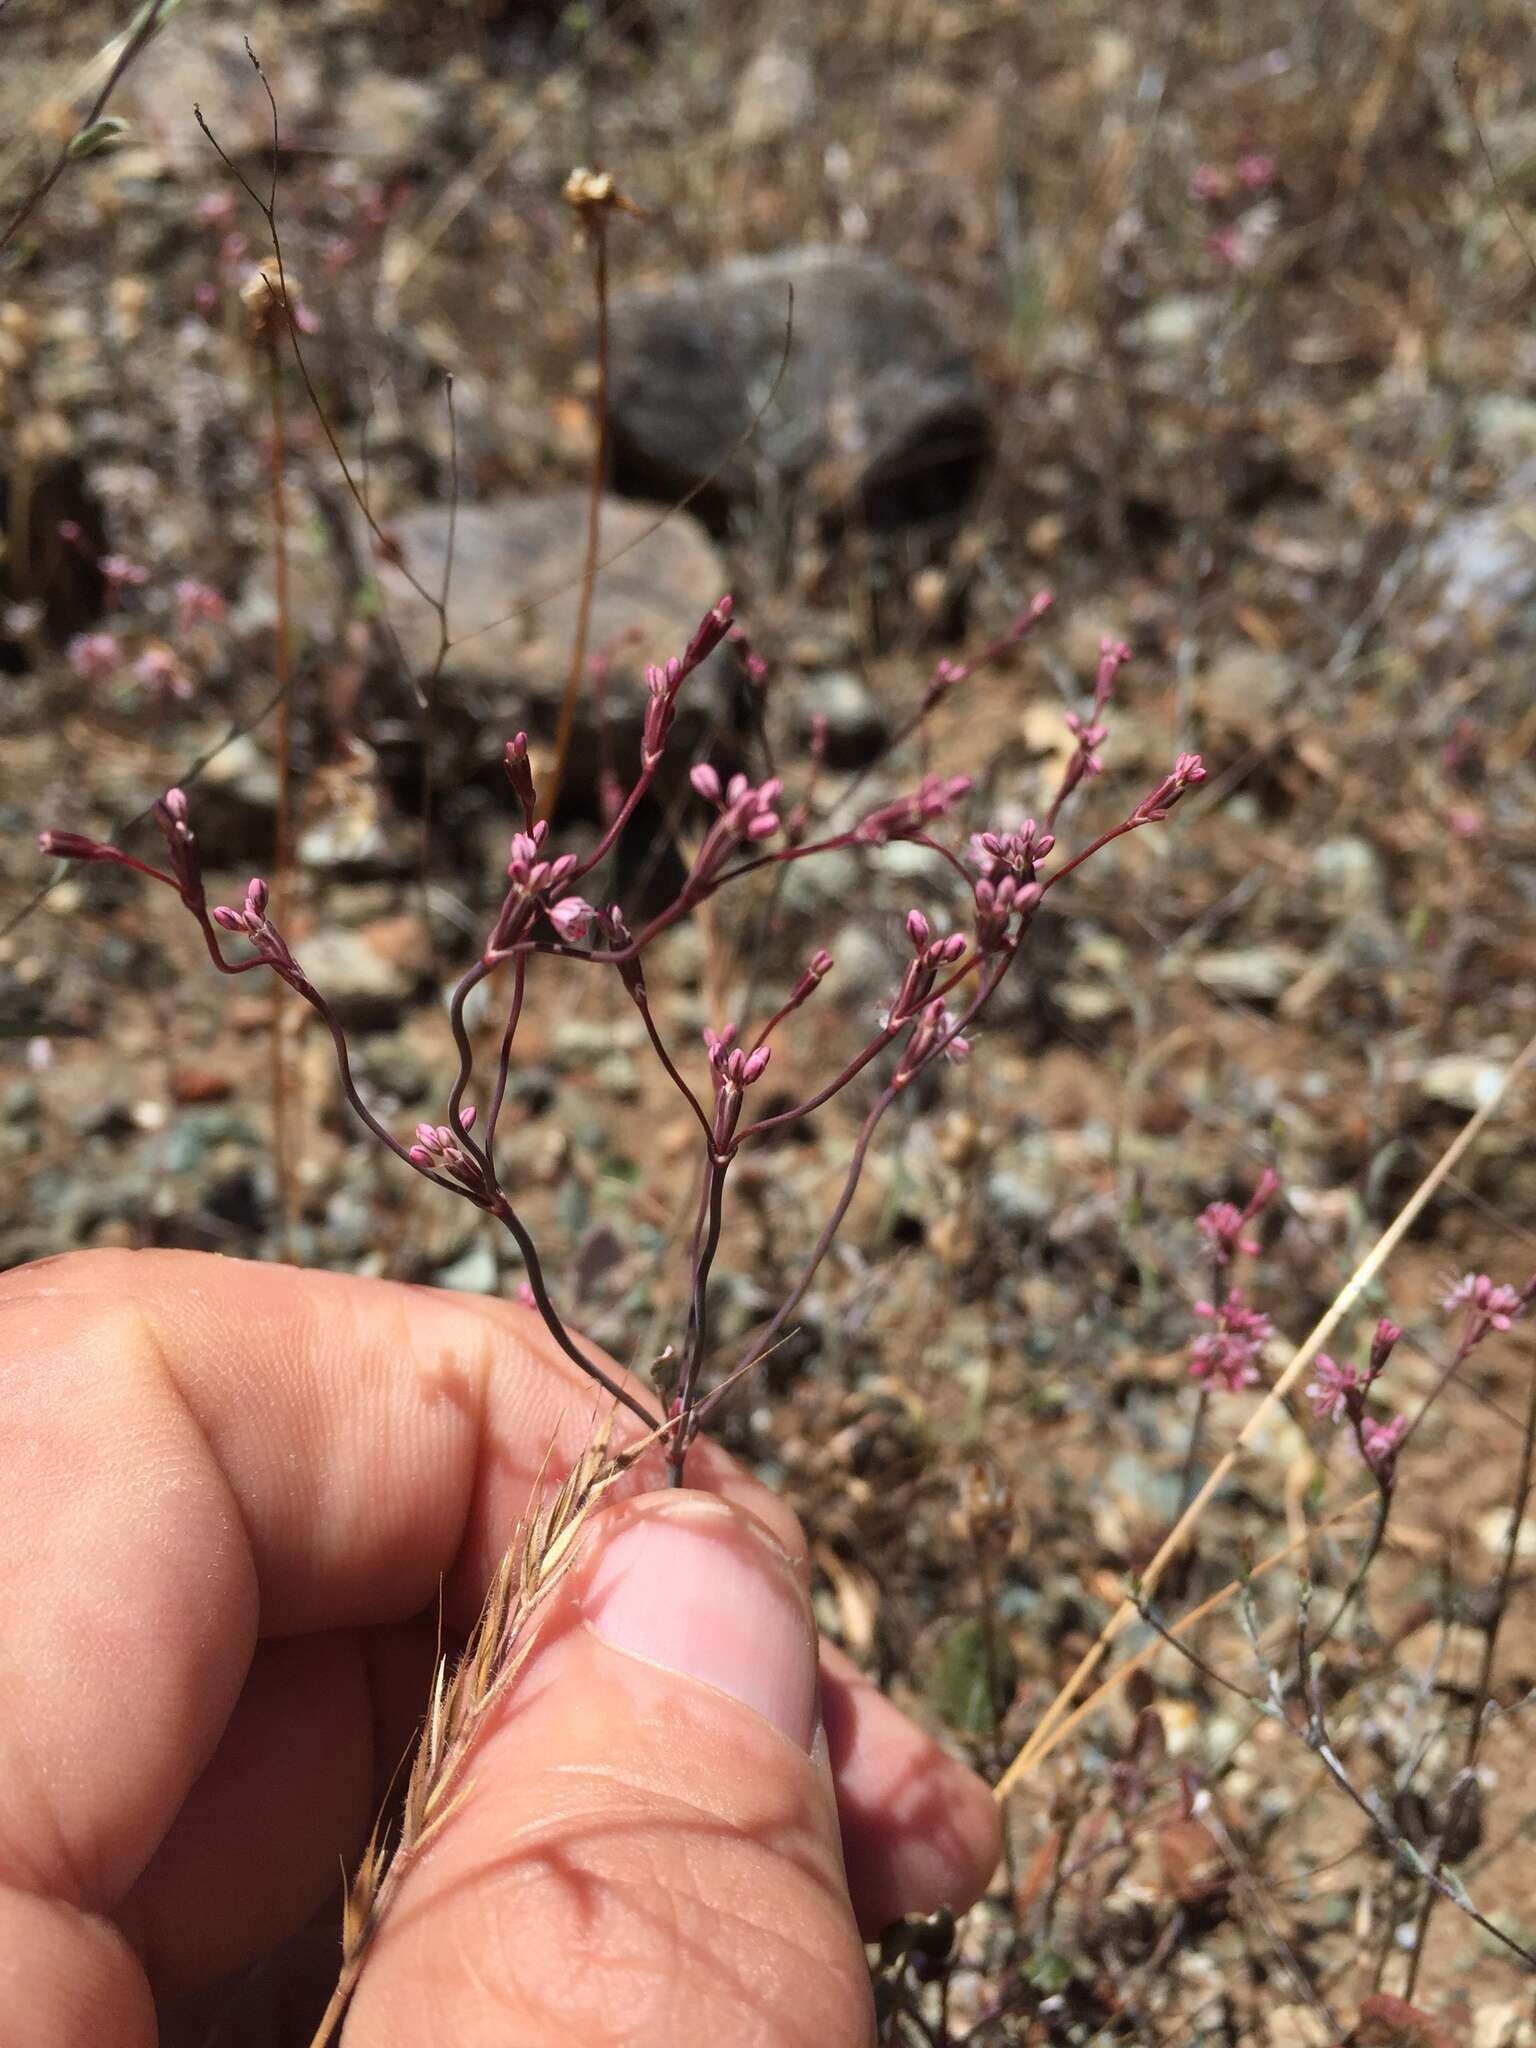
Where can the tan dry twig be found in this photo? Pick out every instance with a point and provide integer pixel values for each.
(537, 1561)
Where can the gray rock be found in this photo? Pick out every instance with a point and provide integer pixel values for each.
(475, 1273)
(856, 726)
(880, 413)
(528, 552)
(775, 96)
(1486, 562)
(1348, 867)
(1244, 688)
(366, 984)
(1504, 425)
(1254, 974)
(578, 1041)
(1020, 1201)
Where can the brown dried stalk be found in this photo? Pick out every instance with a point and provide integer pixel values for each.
(541, 1553)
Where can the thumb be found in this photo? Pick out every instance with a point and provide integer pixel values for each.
(647, 1852)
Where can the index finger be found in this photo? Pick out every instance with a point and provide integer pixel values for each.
(201, 1451)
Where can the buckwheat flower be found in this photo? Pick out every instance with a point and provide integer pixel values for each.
(252, 922)
(572, 917)
(749, 811)
(1498, 1305)
(524, 864)
(1222, 1224)
(1384, 1340)
(439, 1150)
(933, 1033)
(197, 601)
(1013, 850)
(1228, 1354)
(1380, 1442)
(733, 1066)
(1330, 1388)
(158, 669)
(1224, 1360)
(119, 573)
(1113, 655)
(519, 772)
(996, 904)
(1188, 770)
(1089, 737)
(1256, 170)
(934, 795)
(94, 656)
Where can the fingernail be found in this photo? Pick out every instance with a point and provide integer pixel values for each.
(697, 1588)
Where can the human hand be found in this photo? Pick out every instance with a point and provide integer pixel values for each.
(232, 1495)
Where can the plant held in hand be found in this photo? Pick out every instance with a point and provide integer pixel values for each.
(546, 912)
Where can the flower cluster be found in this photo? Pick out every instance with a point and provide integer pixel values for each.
(1338, 1391)
(251, 922)
(1222, 1224)
(438, 1149)
(908, 815)
(745, 812)
(1493, 1307)
(997, 904)
(1227, 1354)
(1012, 850)
(731, 1064)
(663, 683)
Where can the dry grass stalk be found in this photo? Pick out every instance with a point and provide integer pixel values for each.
(1128, 1611)
(536, 1562)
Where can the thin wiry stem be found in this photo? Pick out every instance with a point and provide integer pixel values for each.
(595, 222)
(1317, 1740)
(1462, 1790)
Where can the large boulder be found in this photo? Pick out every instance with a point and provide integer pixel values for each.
(880, 416)
(514, 598)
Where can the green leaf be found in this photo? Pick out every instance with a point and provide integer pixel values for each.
(969, 1695)
(95, 137)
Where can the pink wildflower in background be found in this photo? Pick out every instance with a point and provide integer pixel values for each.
(94, 656)
(1222, 1224)
(196, 601)
(1227, 1355)
(120, 574)
(1330, 1388)
(1498, 1306)
(158, 669)
(1379, 1443)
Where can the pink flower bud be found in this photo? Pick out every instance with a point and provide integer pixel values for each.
(73, 846)
(256, 896)
(821, 964)
(228, 920)
(919, 931)
(754, 1064)
(706, 782)
(951, 949)
(764, 825)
